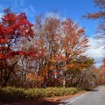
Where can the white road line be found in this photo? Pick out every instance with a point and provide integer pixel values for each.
(76, 98)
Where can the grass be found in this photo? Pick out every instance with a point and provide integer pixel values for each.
(14, 94)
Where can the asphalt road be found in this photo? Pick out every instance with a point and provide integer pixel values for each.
(95, 97)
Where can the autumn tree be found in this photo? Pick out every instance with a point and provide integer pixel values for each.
(101, 80)
(12, 28)
(47, 37)
(99, 15)
(74, 43)
(61, 42)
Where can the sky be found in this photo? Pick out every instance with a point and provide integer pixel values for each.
(73, 9)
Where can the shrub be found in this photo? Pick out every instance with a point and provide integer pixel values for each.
(13, 94)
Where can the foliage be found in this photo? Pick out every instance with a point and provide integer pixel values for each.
(48, 53)
(12, 28)
(99, 15)
(14, 94)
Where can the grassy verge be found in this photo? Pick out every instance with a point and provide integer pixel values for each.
(14, 94)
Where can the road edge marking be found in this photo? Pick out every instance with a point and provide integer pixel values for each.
(76, 98)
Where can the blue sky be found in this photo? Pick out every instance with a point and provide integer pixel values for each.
(73, 9)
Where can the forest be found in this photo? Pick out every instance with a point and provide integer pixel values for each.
(48, 52)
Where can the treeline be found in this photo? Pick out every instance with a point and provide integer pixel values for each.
(48, 53)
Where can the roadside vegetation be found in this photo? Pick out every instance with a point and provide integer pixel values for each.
(14, 94)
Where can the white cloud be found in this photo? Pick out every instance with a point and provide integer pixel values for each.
(53, 14)
(96, 50)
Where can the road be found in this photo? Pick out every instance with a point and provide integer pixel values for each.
(95, 97)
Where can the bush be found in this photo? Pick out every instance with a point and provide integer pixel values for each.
(11, 94)
(14, 94)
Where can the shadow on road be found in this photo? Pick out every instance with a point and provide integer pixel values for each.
(33, 102)
(90, 90)
(94, 90)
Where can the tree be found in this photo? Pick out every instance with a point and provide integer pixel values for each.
(47, 38)
(78, 75)
(62, 42)
(100, 15)
(74, 44)
(13, 28)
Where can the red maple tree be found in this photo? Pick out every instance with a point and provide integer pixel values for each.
(12, 28)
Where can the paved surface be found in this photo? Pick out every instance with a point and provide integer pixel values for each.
(95, 97)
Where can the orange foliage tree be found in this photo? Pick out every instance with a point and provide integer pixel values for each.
(100, 15)
(62, 42)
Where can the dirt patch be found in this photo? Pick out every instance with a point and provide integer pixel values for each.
(62, 98)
